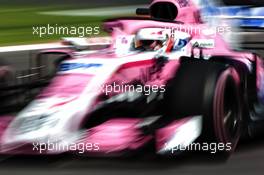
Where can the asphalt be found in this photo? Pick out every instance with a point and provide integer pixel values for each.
(247, 160)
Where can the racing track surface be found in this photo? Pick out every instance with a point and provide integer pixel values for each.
(248, 159)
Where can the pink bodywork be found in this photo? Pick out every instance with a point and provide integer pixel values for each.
(4, 122)
(67, 85)
(163, 135)
(117, 135)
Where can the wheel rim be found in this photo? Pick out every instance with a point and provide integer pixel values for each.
(231, 117)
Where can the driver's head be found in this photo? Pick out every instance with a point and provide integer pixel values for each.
(150, 39)
(150, 44)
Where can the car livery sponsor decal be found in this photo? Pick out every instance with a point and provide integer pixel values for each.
(179, 44)
(72, 66)
(203, 43)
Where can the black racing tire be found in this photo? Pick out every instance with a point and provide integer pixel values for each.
(212, 90)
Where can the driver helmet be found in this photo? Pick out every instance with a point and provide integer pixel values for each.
(150, 39)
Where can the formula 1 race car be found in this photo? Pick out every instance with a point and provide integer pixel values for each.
(165, 79)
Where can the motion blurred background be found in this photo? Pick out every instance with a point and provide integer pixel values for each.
(17, 17)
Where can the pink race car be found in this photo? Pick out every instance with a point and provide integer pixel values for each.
(165, 79)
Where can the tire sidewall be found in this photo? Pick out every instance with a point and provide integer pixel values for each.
(214, 109)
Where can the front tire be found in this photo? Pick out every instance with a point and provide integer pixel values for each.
(212, 90)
